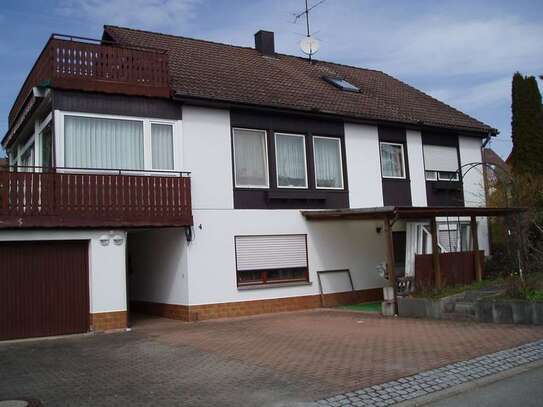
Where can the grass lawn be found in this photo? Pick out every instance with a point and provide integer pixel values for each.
(363, 307)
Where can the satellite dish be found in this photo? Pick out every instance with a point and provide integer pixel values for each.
(309, 45)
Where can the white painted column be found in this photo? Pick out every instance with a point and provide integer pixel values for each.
(363, 166)
(416, 168)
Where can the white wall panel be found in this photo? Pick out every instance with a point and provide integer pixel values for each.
(416, 168)
(207, 153)
(363, 166)
(331, 245)
(474, 192)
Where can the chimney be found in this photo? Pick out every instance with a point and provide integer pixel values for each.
(264, 42)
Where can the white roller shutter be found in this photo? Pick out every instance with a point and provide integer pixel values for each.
(440, 158)
(271, 252)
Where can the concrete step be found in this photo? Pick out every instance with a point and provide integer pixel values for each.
(464, 307)
(457, 316)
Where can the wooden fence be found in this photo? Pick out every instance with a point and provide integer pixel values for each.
(457, 268)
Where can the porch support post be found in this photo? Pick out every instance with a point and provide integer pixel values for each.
(476, 253)
(389, 253)
(435, 254)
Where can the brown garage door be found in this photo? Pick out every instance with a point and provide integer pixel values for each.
(44, 288)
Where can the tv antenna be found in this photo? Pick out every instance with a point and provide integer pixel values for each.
(309, 45)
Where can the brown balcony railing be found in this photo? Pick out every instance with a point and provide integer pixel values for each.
(77, 197)
(90, 65)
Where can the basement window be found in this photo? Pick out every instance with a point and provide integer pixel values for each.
(342, 84)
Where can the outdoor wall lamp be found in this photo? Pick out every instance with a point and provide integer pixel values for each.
(104, 240)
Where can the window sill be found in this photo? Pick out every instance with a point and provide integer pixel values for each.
(277, 285)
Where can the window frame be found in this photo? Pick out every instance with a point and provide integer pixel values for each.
(162, 123)
(403, 160)
(455, 179)
(264, 282)
(342, 84)
(266, 159)
(59, 140)
(340, 149)
(303, 137)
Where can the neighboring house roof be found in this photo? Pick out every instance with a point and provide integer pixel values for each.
(3, 162)
(492, 158)
(220, 72)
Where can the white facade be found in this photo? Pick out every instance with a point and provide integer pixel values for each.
(331, 245)
(163, 267)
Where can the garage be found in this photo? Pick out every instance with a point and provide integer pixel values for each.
(44, 288)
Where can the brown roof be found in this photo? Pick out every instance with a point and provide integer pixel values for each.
(208, 70)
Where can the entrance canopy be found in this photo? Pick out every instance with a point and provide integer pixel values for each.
(390, 214)
(405, 212)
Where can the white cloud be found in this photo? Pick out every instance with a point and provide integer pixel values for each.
(470, 98)
(159, 15)
(446, 46)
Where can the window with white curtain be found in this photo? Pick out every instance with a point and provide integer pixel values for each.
(290, 160)
(93, 142)
(328, 166)
(392, 160)
(250, 158)
(162, 146)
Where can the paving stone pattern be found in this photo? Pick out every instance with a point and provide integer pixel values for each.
(431, 381)
(268, 360)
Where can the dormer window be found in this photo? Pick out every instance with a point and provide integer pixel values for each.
(341, 84)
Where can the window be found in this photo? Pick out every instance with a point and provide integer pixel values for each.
(392, 160)
(27, 158)
(342, 84)
(47, 148)
(162, 146)
(250, 158)
(92, 142)
(441, 163)
(111, 142)
(290, 160)
(271, 259)
(328, 165)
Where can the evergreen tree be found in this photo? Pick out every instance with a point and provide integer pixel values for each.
(527, 126)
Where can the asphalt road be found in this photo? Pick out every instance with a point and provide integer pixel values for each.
(524, 389)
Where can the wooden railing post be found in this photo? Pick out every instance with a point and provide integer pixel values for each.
(435, 254)
(389, 255)
(476, 253)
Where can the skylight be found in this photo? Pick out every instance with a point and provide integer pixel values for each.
(342, 84)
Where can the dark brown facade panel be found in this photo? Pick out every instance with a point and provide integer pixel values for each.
(44, 288)
(285, 198)
(444, 193)
(286, 123)
(98, 103)
(449, 139)
(396, 192)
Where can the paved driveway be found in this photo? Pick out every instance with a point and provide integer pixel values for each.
(251, 361)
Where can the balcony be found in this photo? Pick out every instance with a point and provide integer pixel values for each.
(96, 66)
(75, 197)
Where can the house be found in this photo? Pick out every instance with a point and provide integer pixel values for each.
(193, 180)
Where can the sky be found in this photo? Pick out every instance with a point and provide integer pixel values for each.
(461, 52)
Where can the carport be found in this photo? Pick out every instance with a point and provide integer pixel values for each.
(390, 214)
